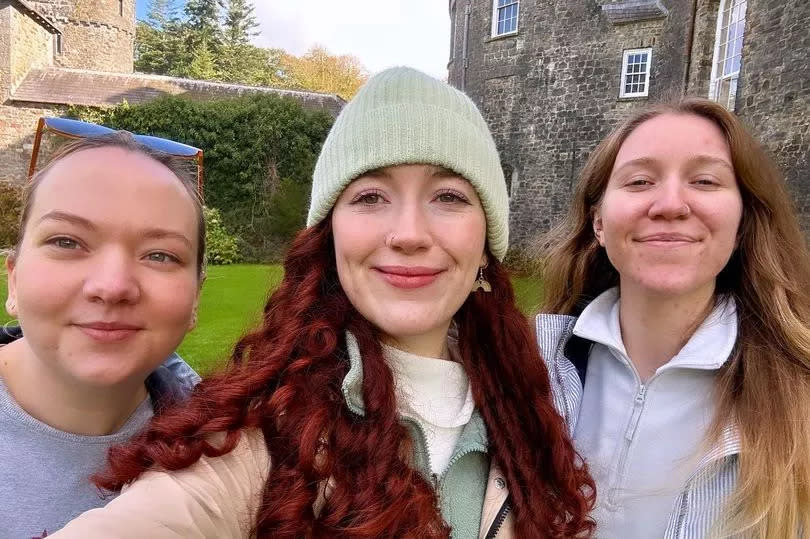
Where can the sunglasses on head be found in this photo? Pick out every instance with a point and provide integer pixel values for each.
(76, 129)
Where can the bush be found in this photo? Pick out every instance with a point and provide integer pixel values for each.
(10, 208)
(220, 246)
(260, 151)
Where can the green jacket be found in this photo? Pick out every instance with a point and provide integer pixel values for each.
(462, 487)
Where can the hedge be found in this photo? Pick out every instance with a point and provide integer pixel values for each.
(260, 151)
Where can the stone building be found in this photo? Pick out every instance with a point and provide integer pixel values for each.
(554, 77)
(56, 53)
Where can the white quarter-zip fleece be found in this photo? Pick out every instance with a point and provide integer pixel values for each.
(643, 440)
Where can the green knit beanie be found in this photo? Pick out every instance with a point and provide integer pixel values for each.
(402, 116)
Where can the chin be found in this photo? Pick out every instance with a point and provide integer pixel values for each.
(672, 287)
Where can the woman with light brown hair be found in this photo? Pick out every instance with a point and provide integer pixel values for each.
(680, 348)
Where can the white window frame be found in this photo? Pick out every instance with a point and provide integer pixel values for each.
(721, 44)
(496, 9)
(623, 81)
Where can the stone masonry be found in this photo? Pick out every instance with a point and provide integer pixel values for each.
(550, 92)
(97, 35)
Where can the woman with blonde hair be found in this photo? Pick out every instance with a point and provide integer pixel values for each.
(104, 280)
(680, 348)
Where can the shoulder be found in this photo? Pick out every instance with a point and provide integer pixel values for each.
(9, 334)
(171, 382)
(215, 497)
(552, 332)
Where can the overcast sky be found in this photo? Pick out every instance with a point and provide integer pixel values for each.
(381, 33)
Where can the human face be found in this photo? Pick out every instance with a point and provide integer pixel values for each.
(105, 279)
(669, 216)
(409, 240)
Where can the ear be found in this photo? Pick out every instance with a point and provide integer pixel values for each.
(484, 261)
(596, 221)
(11, 300)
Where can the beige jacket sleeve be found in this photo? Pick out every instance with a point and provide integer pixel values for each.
(216, 497)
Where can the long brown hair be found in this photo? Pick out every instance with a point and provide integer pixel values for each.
(764, 389)
(285, 379)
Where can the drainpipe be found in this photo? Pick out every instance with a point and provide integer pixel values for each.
(689, 44)
(464, 62)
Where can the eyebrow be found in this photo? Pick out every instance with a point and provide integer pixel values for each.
(149, 233)
(160, 233)
(695, 159)
(438, 172)
(68, 218)
(443, 172)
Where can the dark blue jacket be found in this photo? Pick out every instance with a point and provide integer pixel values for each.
(171, 382)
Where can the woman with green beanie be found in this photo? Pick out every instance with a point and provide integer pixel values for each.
(393, 389)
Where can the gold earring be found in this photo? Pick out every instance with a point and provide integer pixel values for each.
(481, 283)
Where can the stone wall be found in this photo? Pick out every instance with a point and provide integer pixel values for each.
(18, 125)
(774, 98)
(5, 49)
(550, 93)
(31, 47)
(95, 34)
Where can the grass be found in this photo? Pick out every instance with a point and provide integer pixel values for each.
(232, 301)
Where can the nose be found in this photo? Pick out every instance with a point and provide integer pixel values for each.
(112, 279)
(409, 229)
(669, 200)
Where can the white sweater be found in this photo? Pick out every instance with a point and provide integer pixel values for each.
(437, 394)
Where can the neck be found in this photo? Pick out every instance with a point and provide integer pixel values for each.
(430, 344)
(64, 404)
(655, 327)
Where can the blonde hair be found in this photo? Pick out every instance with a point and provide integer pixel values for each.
(764, 388)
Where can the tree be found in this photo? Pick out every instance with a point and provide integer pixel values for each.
(240, 22)
(159, 41)
(161, 13)
(202, 63)
(319, 71)
(203, 19)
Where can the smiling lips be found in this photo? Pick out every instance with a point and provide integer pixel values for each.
(108, 332)
(408, 277)
(667, 240)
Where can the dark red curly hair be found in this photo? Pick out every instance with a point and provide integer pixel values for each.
(285, 379)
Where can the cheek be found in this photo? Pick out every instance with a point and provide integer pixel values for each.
(170, 300)
(42, 288)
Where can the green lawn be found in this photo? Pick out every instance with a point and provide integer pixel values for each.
(232, 300)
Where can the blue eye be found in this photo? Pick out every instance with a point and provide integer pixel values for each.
(160, 257)
(64, 243)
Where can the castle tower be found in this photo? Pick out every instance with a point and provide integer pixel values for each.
(96, 34)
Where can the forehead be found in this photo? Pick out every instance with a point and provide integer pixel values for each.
(114, 186)
(673, 136)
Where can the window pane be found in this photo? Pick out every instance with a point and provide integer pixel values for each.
(732, 93)
(722, 91)
(735, 63)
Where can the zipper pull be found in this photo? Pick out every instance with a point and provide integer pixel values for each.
(638, 405)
